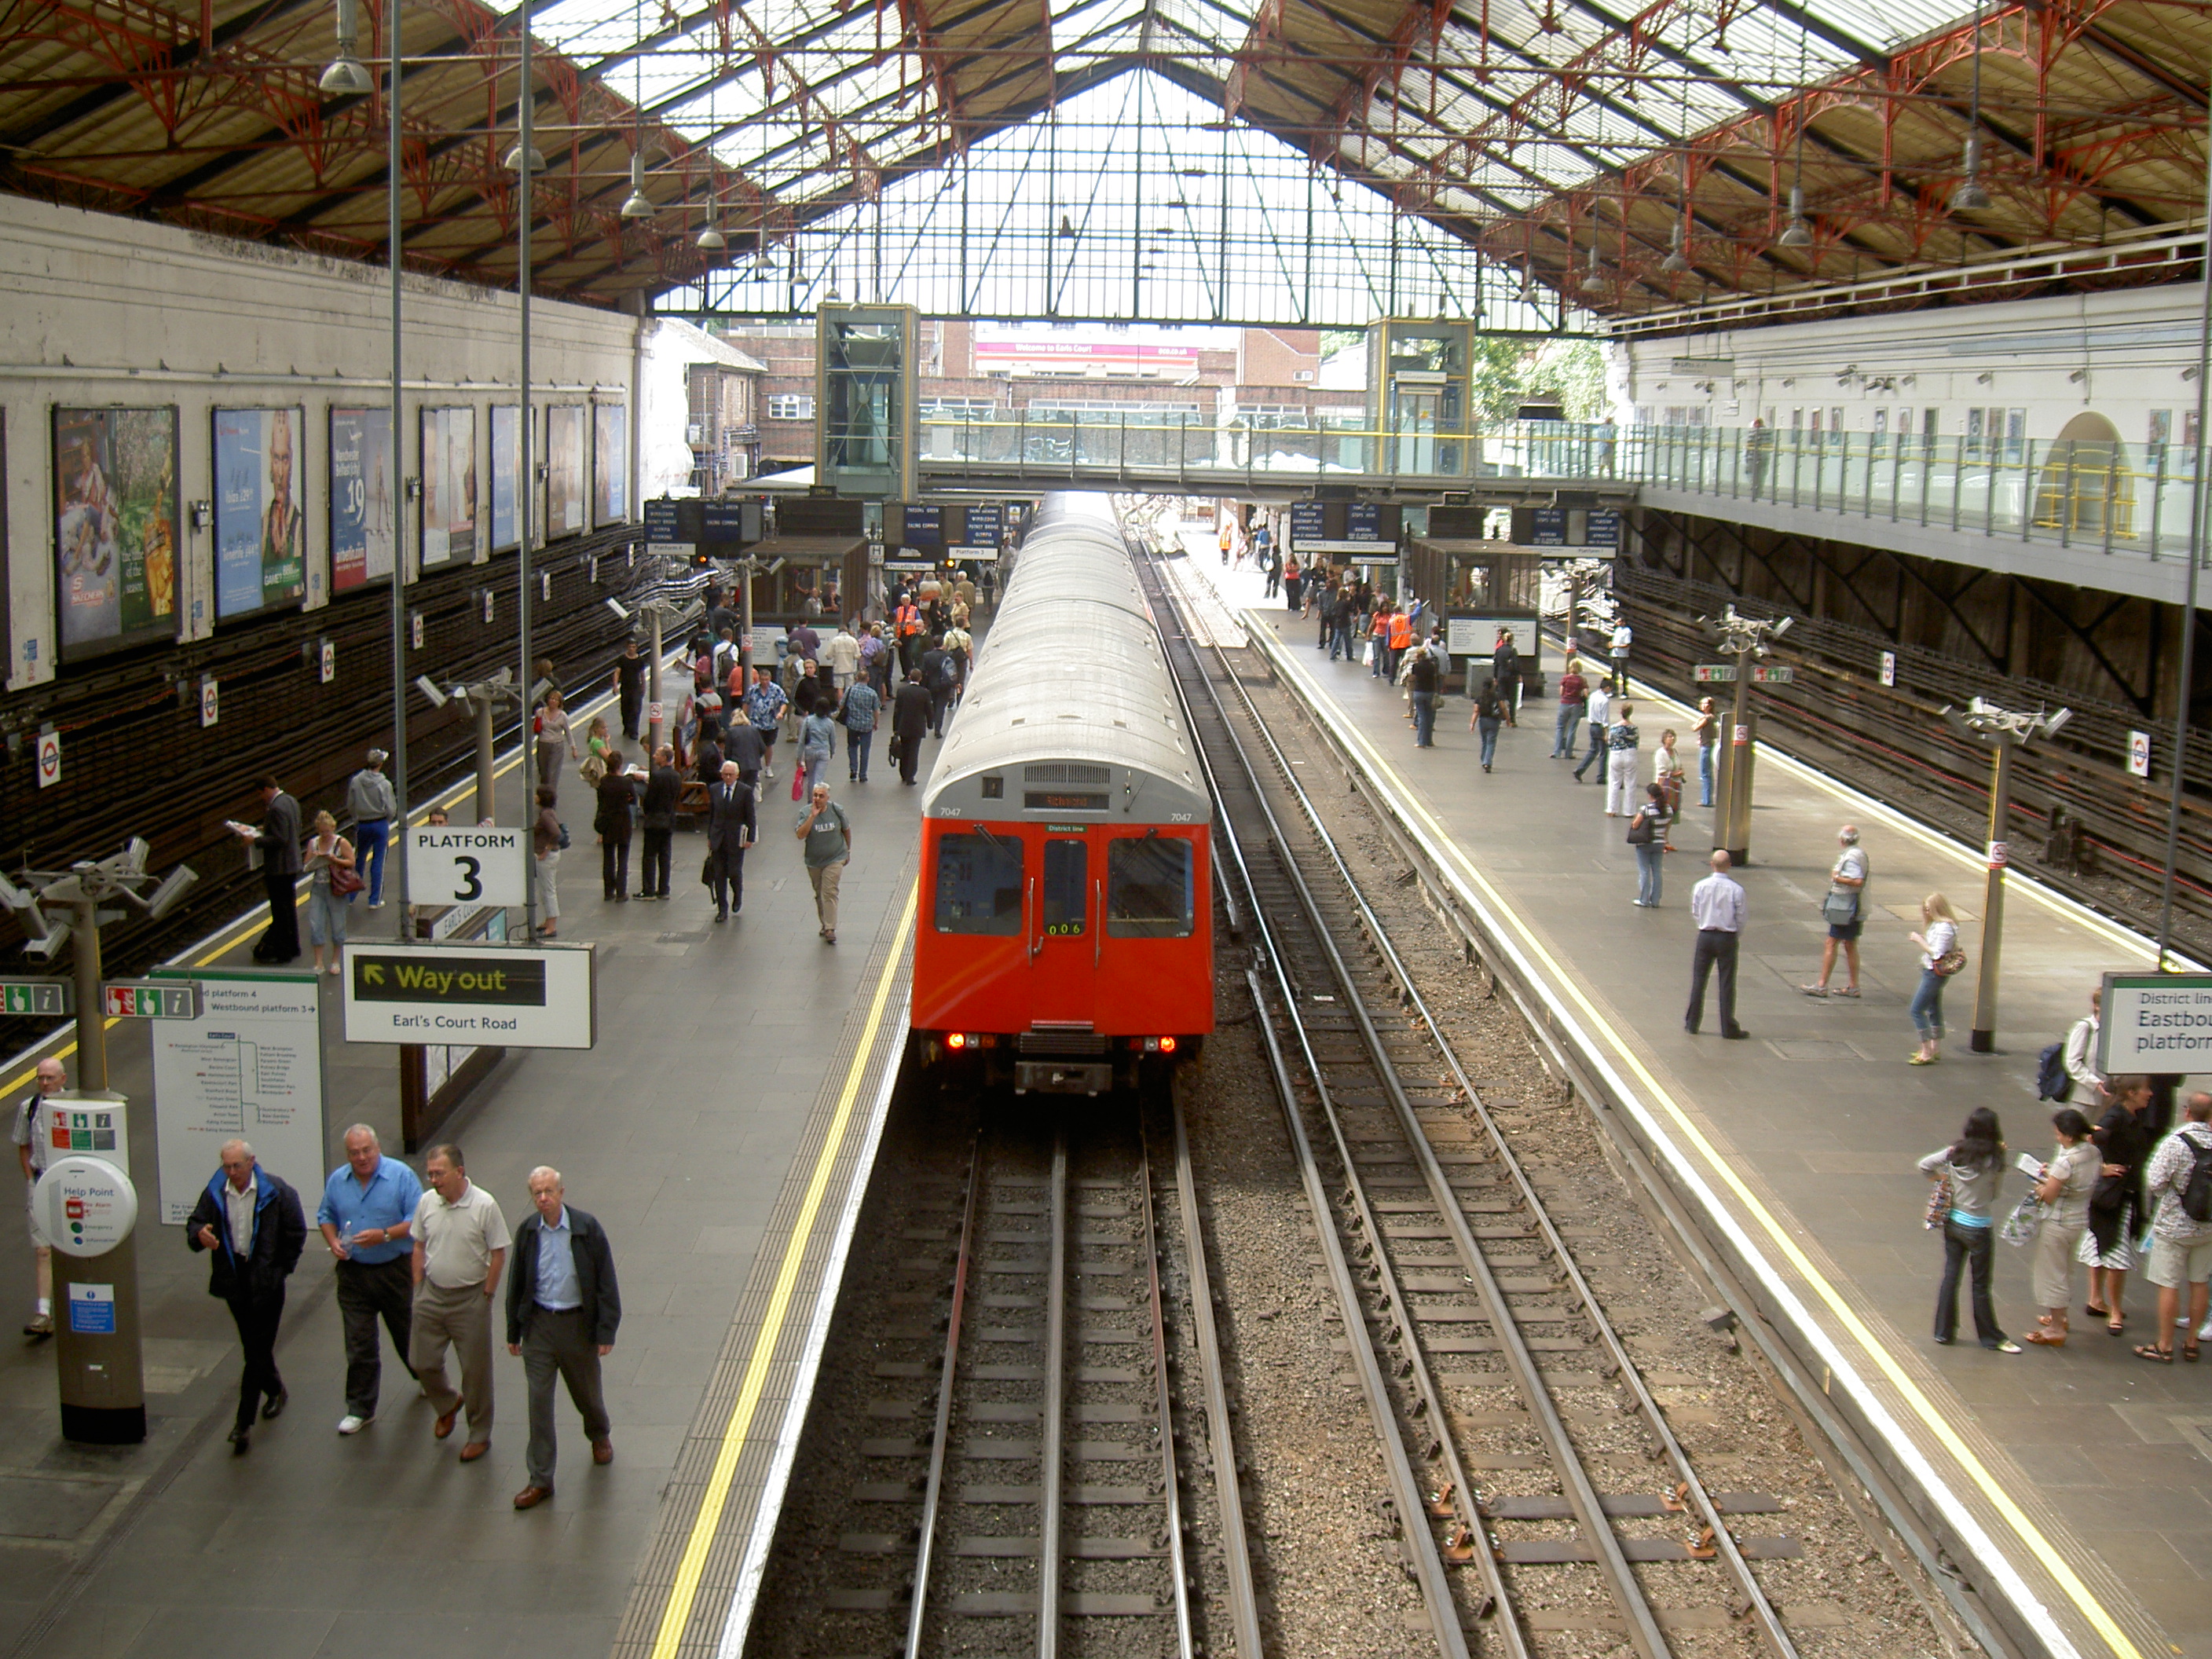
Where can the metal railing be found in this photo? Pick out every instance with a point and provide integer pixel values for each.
(2098, 494)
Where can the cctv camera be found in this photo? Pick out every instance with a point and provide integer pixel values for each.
(429, 687)
(617, 607)
(135, 851)
(2052, 722)
(172, 888)
(1781, 626)
(539, 688)
(13, 897)
(49, 945)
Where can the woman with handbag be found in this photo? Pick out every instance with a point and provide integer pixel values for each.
(1974, 1165)
(1647, 834)
(2123, 1138)
(1666, 773)
(2063, 1191)
(1940, 959)
(1843, 907)
(331, 884)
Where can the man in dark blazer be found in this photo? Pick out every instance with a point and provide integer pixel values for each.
(563, 1307)
(656, 817)
(251, 1224)
(277, 843)
(730, 828)
(910, 723)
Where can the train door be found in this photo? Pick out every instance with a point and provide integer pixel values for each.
(1063, 950)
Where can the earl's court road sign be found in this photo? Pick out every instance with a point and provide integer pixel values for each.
(514, 996)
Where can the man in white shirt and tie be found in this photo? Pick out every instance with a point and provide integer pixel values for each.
(730, 828)
(1717, 904)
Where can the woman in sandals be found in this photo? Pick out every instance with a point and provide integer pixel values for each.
(2180, 1244)
(2123, 1138)
(2068, 1180)
(1939, 940)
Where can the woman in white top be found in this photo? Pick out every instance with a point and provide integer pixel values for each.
(1666, 773)
(1942, 937)
(2065, 1186)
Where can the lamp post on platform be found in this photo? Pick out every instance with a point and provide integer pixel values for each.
(1744, 640)
(2001, 733)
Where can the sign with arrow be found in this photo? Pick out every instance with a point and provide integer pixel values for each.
(513, 996)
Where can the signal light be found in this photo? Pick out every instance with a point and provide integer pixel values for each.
(1167, 1045)
(957, 1040)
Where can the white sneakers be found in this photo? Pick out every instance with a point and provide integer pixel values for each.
(349, 1424)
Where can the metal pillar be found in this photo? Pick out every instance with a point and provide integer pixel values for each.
(652, 682)
(402, 510)
(526, 105)
(91, 1024)
(482, 706)
(1984, 1040)
(1732, 822)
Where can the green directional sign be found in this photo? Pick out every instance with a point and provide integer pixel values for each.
(38, 997)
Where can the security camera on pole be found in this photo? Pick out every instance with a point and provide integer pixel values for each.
(85, 1202)
(661, 614)
(485, 698)
(2001, 731)
(1744, 640)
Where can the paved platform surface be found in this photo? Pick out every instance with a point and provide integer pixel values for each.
(2091, 1468)
(696, 1131)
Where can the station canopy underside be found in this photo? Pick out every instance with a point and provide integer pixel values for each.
(1310, 161)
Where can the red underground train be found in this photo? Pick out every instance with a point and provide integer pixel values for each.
(1065, 936)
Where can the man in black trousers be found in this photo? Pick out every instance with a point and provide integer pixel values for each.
(277, 843)
(1717, 905)
(562, 1308)
(730, 828)
(910, 723)
(250, 1223)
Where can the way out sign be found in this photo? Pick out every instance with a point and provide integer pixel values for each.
(513, 996)
(450, 864)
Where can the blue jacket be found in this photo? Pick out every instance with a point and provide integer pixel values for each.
(280, 1233)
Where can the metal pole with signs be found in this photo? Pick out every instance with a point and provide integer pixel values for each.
(1745, 640)
(2001, 731)
(85, 1206)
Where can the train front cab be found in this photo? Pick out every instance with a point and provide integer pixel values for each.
(1063, 956)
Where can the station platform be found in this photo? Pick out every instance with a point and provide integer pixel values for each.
(721, 1130)
(2071, 1483)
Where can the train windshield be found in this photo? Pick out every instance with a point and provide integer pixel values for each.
(979, 885)
(1066, 895)
(1150, 888)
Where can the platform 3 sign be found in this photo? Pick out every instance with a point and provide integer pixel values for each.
(514, 996)
(2155, 1023)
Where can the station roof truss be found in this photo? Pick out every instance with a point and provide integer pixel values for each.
(1275, 161)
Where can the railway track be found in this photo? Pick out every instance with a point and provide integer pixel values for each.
(1058, 1410)
(1531, 1471)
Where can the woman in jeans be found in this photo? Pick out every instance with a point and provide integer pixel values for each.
(553, 737)
(1942, 936)
(818, 743)
(2067, 1182)
(1975, 1164)
(1651, 823)
(546, 847)
(326, 911)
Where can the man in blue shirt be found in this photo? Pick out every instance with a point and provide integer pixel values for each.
(368, 1209)
(562, 1308)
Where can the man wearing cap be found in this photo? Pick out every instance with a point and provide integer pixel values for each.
(370, 800)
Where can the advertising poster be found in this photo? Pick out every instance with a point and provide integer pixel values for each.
(260, 530)
(505, 468)
(115, 526)
(250, 1068)
(609, 463)
(361, 517)
(564, 474)
(449, 486)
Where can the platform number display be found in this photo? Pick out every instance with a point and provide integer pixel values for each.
(451, 865)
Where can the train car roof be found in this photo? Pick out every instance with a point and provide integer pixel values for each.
(1071, 675)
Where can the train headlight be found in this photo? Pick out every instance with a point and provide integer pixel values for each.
(957, 1040)
(1159, 1045)
(1167, 1045)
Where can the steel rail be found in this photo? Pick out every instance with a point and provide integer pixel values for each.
(1186, 1645)
(933, 1487)
(1050, 1451)
(1243, 1596)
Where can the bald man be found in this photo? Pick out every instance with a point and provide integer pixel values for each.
(33, 1131)
(563, 1307)
(252, 1226)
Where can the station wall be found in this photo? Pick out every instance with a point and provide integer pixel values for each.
(192, 333)
(2021, 369)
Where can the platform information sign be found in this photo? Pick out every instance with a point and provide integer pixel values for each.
(2155, 1023)
(466, 865)
(149, 999)
(249, 1066)
(40, 998)
(515, 996)
(1764, 673)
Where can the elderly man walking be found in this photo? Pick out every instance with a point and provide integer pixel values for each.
(367, 1217)
(250, 1223)
(828, 834)
(32, 1131)
(562, 1308)
(460, 1247)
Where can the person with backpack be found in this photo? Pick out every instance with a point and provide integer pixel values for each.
(940, 676)
(1491, 711)
(2079, 1054)
(2063, 1190)
(1937, 948)
(1647, 834)
(1974, 1164)
(2179, 1182)
(2123, 1138)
